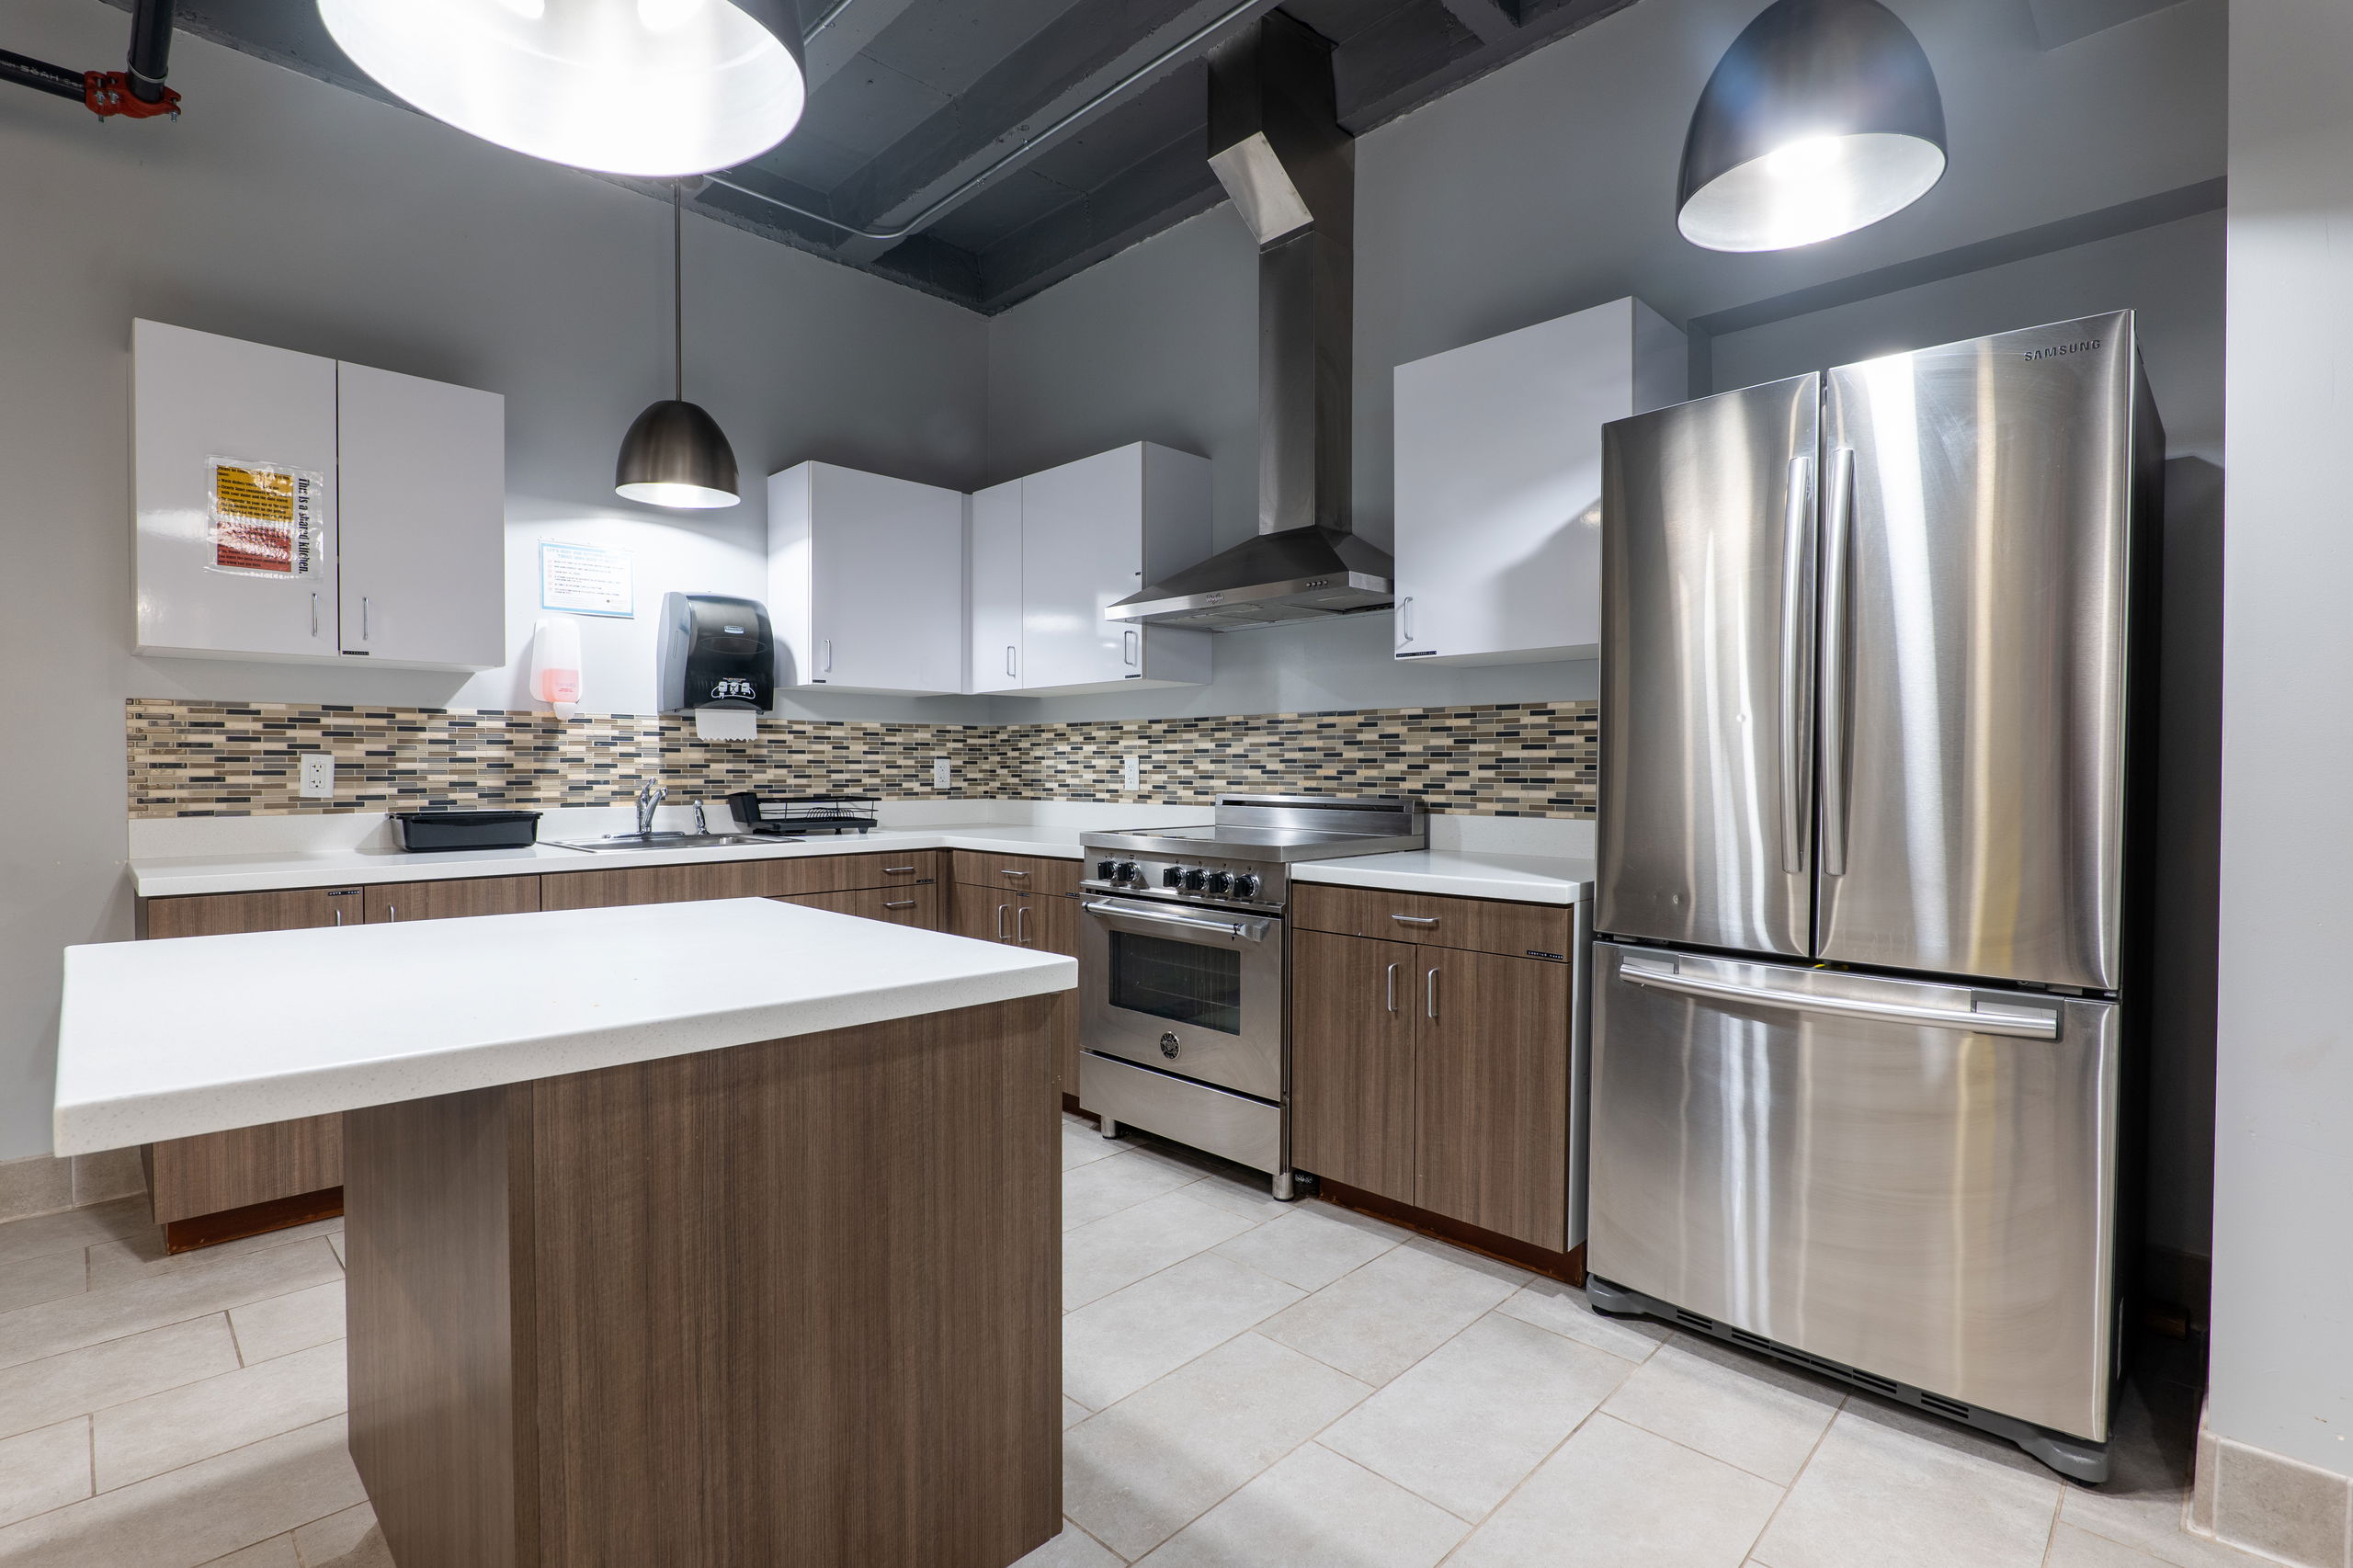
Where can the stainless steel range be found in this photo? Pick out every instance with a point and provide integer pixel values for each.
(1185, 960)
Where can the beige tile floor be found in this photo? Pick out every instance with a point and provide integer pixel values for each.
(1248, 1385)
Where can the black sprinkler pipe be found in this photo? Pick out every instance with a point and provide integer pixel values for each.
(41, 75)
(150, 49)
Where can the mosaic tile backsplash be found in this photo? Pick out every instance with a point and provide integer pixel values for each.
(241, 758)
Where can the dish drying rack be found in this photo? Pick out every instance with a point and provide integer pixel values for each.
(792, 815)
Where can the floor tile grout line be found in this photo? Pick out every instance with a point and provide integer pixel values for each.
(1583, 1422)
(1782, 1502)
(112, 1491)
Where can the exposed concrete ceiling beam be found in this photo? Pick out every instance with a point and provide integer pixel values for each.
(1495, 21)
(850, 30)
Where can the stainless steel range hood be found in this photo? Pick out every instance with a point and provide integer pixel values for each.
(1277, 146)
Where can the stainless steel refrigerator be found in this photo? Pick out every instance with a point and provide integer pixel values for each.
(1876, 711)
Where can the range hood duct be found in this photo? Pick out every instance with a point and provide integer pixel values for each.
(1277, 146)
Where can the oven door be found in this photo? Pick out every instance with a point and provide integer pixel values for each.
(1192, 991)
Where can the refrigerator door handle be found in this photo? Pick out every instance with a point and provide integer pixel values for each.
(2021, 1023)
(1797, 546)
(1839, 514)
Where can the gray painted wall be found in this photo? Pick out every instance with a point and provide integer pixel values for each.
(287, 211)
(2281, 1377)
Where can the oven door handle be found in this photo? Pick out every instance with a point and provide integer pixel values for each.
(1248, 930)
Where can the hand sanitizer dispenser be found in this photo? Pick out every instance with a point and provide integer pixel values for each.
(717, 662)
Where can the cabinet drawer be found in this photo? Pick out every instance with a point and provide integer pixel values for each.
(215, 915)
(1025, 873)
(452, 898)
(917, 906)
(844, 873)
(1480, 925)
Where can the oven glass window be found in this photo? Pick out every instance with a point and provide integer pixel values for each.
(1183, 982)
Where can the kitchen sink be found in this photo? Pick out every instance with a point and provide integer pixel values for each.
(668, 841)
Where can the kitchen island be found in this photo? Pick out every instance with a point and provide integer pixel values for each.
(719, 1234)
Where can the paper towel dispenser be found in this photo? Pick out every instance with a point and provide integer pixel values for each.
(717, 653)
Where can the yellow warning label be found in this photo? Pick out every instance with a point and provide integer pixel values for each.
(261, 519)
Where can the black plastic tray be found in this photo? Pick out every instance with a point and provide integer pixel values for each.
(420, 831)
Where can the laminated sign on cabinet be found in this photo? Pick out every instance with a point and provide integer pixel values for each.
(1053, 551)
(866, 580)
(290, 506)
(1498, 481)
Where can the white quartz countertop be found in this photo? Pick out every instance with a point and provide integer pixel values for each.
(173, 1038)
(1524, 879)
(177, 878)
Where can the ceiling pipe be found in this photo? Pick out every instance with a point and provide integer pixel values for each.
(136, 94)
(974, 185)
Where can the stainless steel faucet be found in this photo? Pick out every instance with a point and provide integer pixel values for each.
(649, 796)
(703, 825)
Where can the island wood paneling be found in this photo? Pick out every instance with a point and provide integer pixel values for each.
(787, 1305)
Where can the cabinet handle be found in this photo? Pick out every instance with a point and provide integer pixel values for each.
(1134, 640)
(315, 614)
(902, 903)
(1406, 619)
(897, 870)
(1429, 994)
(338, 914)
(1009, 871)
(363, 618)
(1392, 986)
(1008, 660)
(829, 655)
(392, 913)
(1414, 919)
(1000, 921)
(1021, 926)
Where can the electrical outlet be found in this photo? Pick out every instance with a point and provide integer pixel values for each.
(318, 775)
(1132, 770)
(939, 773)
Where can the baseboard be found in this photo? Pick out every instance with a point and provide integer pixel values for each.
(253, 1219)
(43, 1184)
(2259, 1500)
(1568, 1267)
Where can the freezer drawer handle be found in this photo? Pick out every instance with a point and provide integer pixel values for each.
(1248, 930)
(2021, 1023)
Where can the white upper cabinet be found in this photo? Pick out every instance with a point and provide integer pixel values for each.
(422, 471)
(1498, 481)
(1089, 533)
(866, 581)
(212, 412)
(293, 507)
(996, 587)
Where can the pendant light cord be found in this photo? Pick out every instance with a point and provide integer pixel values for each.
(679, 290)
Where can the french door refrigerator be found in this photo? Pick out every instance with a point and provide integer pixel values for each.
(1875, 713)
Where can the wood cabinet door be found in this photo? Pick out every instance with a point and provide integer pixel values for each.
(1492, 1091)
(1050, 924)
(452, 898)
(1015, 874)
(1353, 1082)
(985, 915)
(584, 890)
(216, 914)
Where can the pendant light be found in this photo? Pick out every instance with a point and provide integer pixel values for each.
(1822, 118)
(675, 454)
(656, 88)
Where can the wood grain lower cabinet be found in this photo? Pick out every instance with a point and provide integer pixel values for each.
(917, 906)
(1436, 1076)
(1022, 873)
(1352, 1062)
(389, 903)
(1046, 922)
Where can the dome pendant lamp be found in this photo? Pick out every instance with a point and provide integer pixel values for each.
(675, 454)
(656, 88)
(1822, 118)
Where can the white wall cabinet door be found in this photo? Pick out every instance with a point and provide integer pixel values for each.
(1082, 548)
(201, 404)
(1498, 481)
(996, 614)
(423, 497)
(866, 580)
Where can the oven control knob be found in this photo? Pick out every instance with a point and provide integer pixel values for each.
(1195, 879)
(1128, 871)
(1245, 886)
(1222, 883)
(1107, 871)
(1172, 877)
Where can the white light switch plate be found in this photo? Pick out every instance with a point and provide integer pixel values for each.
(1132, 768)
(940, 775)
(318, 775)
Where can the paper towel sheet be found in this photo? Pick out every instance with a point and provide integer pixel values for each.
(726, 723)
